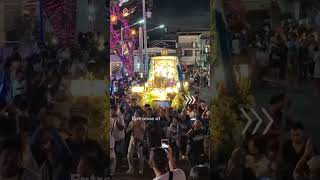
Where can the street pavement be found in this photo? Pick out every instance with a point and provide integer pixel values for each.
(204, 93)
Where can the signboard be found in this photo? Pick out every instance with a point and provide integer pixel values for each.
(93, 88)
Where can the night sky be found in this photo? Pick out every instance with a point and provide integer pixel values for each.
(186, 15)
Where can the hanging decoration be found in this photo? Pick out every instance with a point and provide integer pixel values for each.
(125, 49)
(62, 17)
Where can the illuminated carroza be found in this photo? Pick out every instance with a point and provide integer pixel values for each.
(165, 82)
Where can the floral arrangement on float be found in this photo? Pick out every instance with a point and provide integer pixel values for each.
(164, 82)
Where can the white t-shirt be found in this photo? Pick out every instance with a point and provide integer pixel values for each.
(112, 142)
(116, 133)
(178, 174)
(260, 167)
(236, 46)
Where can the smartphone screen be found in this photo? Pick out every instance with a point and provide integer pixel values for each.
(165, 143)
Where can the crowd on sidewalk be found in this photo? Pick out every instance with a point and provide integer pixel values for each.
(198, 77)
(290, 52)
(40, 138)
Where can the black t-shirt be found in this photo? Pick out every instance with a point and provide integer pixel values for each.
(135, 109)
(196, 142)
(164, 123)
(200, 110)
(185, 125)
(155, 133)
(291, 158)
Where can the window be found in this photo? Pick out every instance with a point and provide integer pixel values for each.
(188, 53)
(198, 53)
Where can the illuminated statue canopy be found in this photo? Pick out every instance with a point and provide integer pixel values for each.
(163, 82)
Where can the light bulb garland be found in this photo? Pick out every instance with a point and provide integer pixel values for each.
(62, 17)
(118, 19)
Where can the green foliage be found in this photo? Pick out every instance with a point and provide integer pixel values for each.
(179, 101)
(148, 98)
(227, 122)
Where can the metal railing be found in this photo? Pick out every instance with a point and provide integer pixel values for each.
(188, 45)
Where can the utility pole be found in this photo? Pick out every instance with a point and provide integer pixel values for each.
(2, 23)
(141, 50)
(146, 61)
(121, 43)
(41, 23)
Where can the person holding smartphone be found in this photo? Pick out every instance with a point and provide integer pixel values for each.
(163, 164)
(308, 167)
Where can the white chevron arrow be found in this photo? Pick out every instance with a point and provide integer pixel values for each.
(270, 120)
(193, 100)
(188, 99)
(246, 115)
(259, 121)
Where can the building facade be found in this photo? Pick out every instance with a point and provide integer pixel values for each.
(193, 48)
(10, 11)
(91, 16)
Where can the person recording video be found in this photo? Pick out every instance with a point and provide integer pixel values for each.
(162, 162)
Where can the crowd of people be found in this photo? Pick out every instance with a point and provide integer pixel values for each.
(140, 129)
(290, 52)
(198, 77)
(40, 137)
(285, 152)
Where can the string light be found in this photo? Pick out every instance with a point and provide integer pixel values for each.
(62, 17)
(127, 58)
(133, 32)
(125, 12)
(113, 19)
